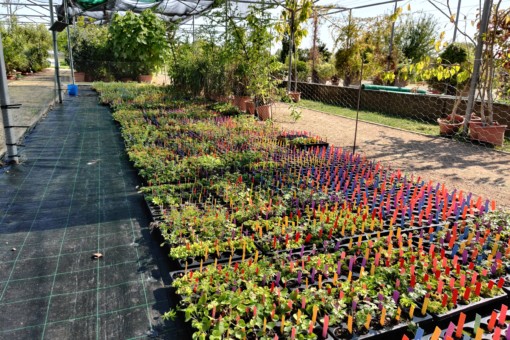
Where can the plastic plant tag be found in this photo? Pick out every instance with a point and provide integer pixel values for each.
(436, 334)
(497, 334)
(502, 315)
(492, 321)
(450, 329)
(425, 305)
(349, 323)
(419, 334)
(460, 325)
(478, 319)
(325, 327)
(479, 334)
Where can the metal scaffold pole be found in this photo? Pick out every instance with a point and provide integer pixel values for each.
(70, 50)
(12, 149)
(55, 53)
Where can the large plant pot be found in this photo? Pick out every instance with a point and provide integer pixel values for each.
(250, 107)
(79, 77)
(492, 134)
(240, 102)
(264, 112)
(145, 78)
(449, 126)
(295, 96)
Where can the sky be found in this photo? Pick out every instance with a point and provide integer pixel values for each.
(469, 10)
(468, 14)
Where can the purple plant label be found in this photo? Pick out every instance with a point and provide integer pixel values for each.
(493, 269)
(325, 270)
(351, 263)
(302, 251)
(338, 267)
(337, 245)
(363, 262)
(313, 274)
(464, 256)
(354, 305)
(396, 295)
(299, 274)
(380, 297)
(498, 255)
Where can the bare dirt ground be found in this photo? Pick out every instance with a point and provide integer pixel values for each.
(461, 166)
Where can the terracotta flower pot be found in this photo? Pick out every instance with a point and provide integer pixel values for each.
(79, 77)
(295, 96)
(449, 126)
(492, 134)
(250, 107)
(240, 102)
(264, 112)
(145, 78)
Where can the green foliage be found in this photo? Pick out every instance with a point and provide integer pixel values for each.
(138, 43)
(89, 43)
(325, 71)
(452, 71)
(415, 37)
(26, 47)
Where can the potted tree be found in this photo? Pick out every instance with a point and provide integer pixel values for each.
(494, 43)
(262, 65)
(295, 13)
(139, 44)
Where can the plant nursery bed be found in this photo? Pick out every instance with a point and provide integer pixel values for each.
(489, 303)
(392, 332)
(329, 238)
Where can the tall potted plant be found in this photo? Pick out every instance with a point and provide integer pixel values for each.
(262, 65)
(295, 14)
(138, 43)
(495, 44)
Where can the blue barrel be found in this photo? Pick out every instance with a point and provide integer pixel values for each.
(72, 89)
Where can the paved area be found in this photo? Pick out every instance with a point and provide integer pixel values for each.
(36, 93)
(460, 166)
(74, 195)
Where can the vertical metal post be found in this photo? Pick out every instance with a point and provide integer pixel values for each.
(478, 62)
(193, 29)
(456, 21)
(357, 107)
(10, 143)
(291, 43)
(391, 38)
(55, 53)
(349, 29)
(69, 49)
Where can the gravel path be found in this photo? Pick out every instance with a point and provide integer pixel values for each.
(36, 93)
(459, 165)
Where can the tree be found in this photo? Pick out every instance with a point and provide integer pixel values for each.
(415, 37)
(138, 43)
(295, 13)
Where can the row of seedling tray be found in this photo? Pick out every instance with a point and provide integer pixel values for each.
(276, 241)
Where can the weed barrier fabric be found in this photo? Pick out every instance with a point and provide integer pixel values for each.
(74, 195)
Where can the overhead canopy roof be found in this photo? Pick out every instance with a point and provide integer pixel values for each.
(169, 10)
